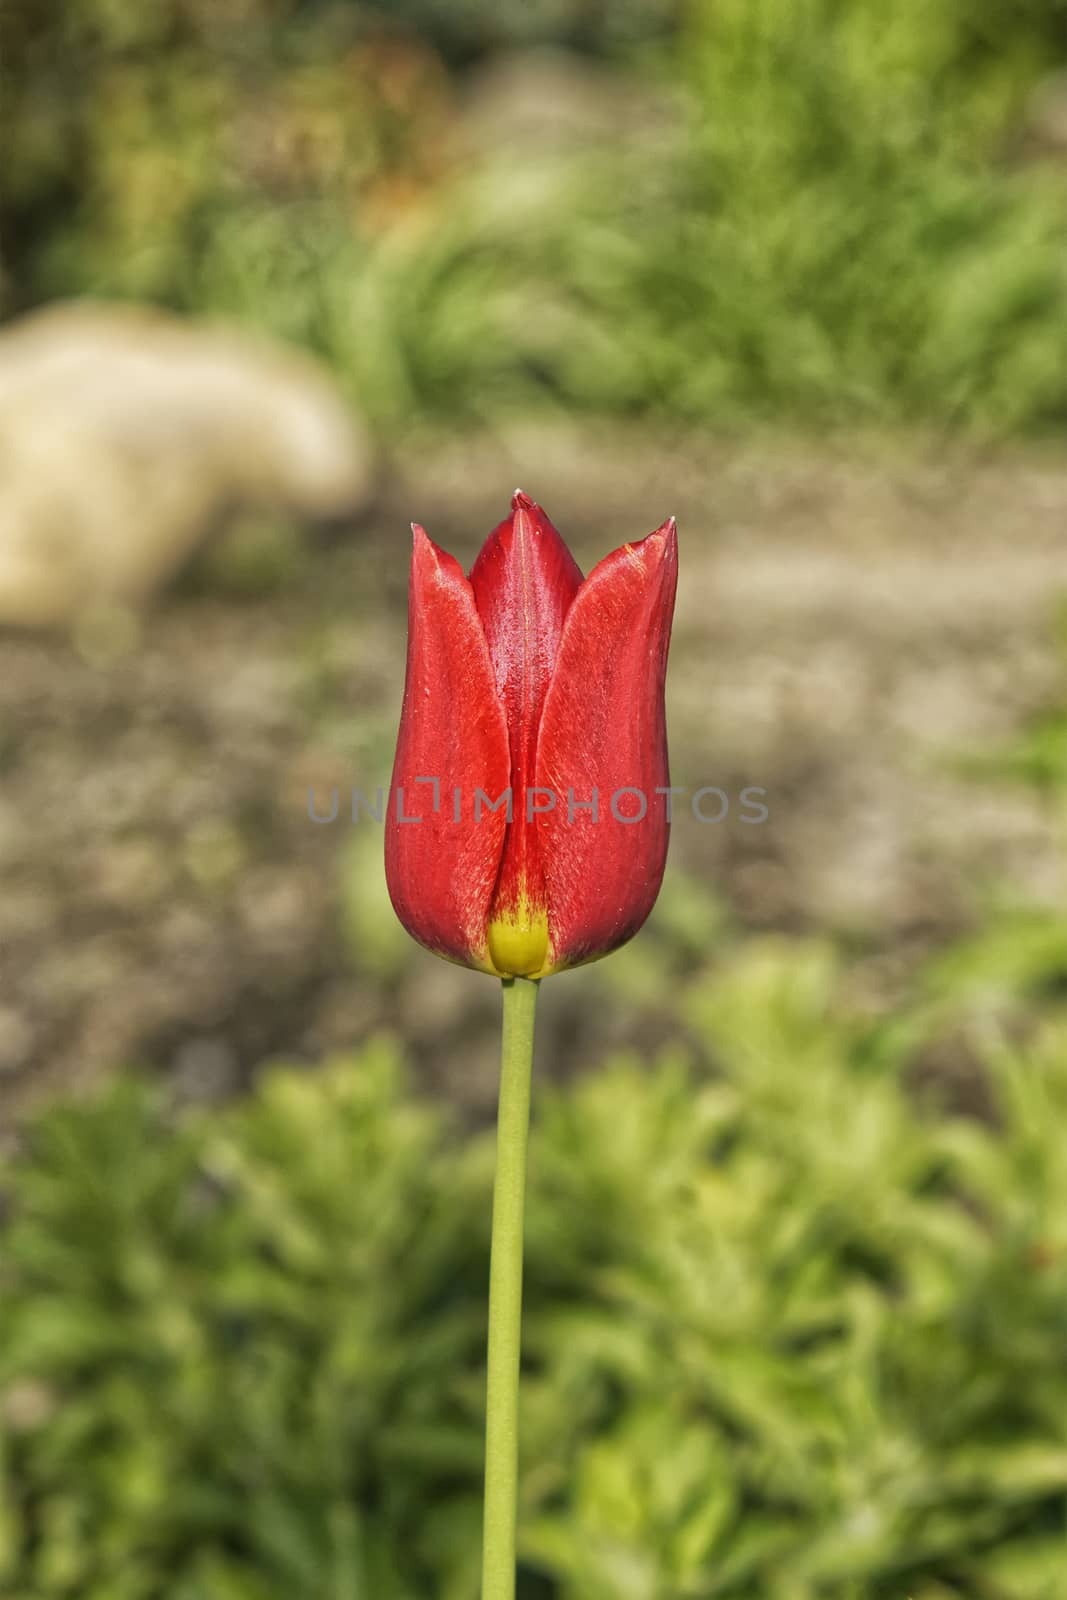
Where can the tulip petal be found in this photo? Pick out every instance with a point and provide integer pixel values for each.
(524, 582)
(441, 872)
(603, 727)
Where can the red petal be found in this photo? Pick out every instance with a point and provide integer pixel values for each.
(524, 581)
(603, 727)
(440, 872)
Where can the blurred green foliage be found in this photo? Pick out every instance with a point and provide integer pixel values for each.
(787, 1335)
(848, 219)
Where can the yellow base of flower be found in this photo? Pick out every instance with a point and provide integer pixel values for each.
(518, 945)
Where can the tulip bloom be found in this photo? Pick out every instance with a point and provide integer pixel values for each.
(527, 827)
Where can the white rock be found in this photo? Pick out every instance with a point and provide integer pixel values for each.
(128, 436)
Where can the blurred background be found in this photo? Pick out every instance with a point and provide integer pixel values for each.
(276, 277)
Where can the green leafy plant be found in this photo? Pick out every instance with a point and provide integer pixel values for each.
(787, 1334)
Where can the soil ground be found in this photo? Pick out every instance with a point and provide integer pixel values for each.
(853, 620)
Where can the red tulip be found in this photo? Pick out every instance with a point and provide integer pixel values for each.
(525, 677)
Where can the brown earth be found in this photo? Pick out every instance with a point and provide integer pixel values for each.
(853, 620)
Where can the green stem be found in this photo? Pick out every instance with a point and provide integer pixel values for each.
(505, 1292)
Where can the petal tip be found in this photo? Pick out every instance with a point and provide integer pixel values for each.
(661, 541)
(426, 555)
(422, 546)
(520, 501)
